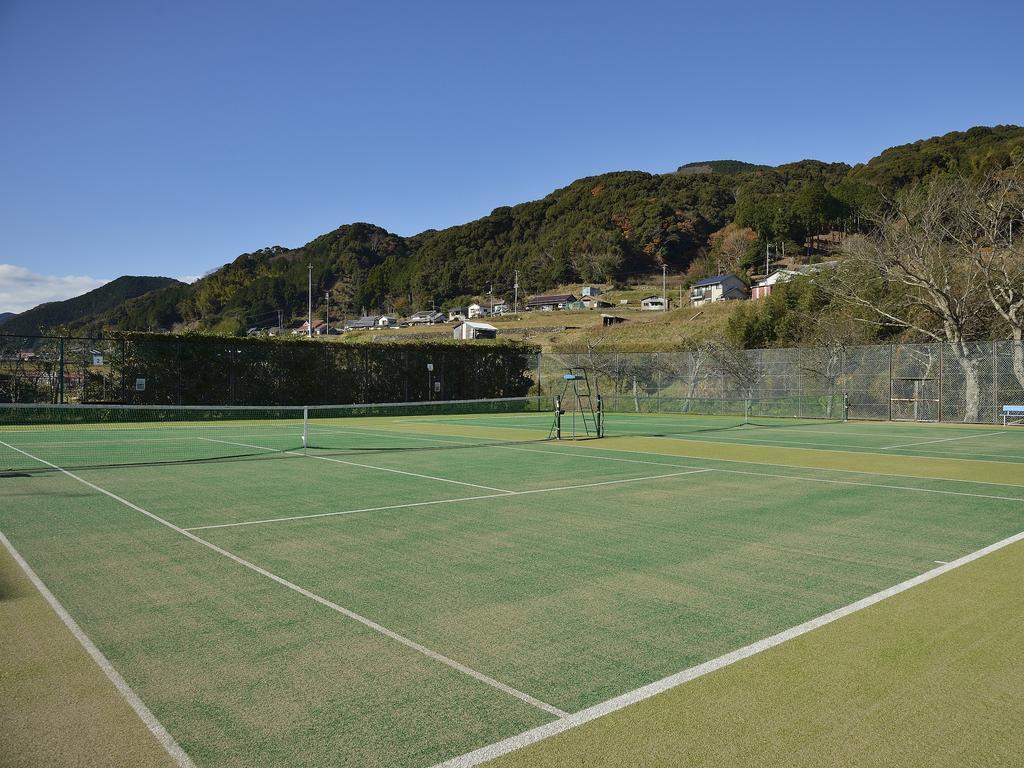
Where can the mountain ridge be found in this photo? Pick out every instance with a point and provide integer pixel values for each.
(595, 229)
(50, 314)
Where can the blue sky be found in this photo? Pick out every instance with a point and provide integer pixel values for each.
(167, 138)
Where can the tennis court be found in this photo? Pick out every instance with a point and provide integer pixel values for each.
(405, 586)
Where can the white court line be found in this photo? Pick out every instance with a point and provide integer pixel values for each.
(786, 477)
(798, 467)
(449, 501)
(145, 715)
(356, 464)
(480, 676)
(943, 440)
(866, 473)
(991, 458)
(837, 447)
(801, 428)
(589, 714)
(124, 441)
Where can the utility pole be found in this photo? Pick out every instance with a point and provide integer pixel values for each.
(515, 308)
(664, 291)
(309, 319)
(280, 321)
(327, 312)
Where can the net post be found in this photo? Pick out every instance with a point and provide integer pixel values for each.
(846, 406)
(600, 417)
(305, 427)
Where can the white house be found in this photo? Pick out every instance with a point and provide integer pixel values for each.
(458, 313)
(387, 321)
(719, 288)
(468, 330)
(654, 304)
(500, 307)
(763, 288)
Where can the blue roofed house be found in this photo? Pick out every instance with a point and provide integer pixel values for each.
(718, 288)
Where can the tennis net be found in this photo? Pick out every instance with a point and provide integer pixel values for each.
(40, 437)
(629, 415)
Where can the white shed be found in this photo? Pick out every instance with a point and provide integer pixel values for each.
(468, 330)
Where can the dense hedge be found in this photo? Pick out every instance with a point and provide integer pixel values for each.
(204, 370)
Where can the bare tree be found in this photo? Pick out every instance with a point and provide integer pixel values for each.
(915, 271)
(991, 211)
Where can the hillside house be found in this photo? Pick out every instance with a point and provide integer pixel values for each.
(387, 321)
(590, 291)
(487, 308)
(718, 288)
(467, 330)
(551, 302)
(654, 304)
(426, 317)
(590, 302)
(763, 288)
(458, 314)
(359, 323)
(319, 328)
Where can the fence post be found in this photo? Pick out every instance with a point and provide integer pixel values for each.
(657, 362)
(60, 370)
(890, 382)
(995, 382)
(540, 369)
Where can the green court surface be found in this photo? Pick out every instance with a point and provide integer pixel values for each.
(404, 590)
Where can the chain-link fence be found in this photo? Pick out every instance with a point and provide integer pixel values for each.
(921, 382)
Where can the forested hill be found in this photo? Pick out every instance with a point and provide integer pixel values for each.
(726, 167)
(600, 228)
(88, 305)
(5, 316)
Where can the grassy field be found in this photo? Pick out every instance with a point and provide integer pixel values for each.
(933, 676)
(361, 602)
(573, 330)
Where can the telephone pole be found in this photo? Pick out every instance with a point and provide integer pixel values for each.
(309, 307)
(327, 312)
(515, 308)
(664, 289)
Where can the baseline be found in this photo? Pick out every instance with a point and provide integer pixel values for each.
(379, 628)
(144, 713)
(534, 735)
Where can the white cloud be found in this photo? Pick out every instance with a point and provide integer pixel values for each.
(22, 289)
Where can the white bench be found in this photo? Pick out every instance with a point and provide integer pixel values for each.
(1013, 415)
